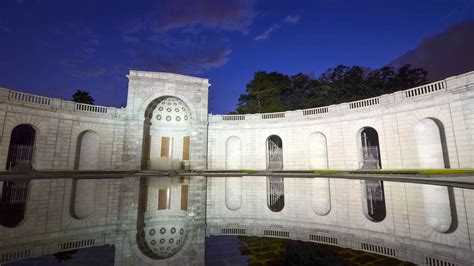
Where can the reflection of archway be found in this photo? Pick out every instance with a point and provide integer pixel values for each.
(13, 202)
(274, 153)
(21, 149)
(369, 149)
(431, 144)
(166, 139)
(373, 200)
(275, 193)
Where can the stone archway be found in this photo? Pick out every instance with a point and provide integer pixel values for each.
(22, 148)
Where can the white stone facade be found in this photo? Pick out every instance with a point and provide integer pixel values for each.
(431, 126)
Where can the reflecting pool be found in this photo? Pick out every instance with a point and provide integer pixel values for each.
(237, 220)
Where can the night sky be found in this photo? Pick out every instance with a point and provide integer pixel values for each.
(53, 47)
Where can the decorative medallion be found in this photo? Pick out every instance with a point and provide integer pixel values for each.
(168, 109)
(162, 230)
(158, 117)
(153, 242)
(173, 230)
(152, 232)
(181, 231)
(162, 241)
(178, 118)
(168, 118)
(171, 240)
(176, 109)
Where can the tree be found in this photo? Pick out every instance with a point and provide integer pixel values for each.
(274, 92)
(82, 97)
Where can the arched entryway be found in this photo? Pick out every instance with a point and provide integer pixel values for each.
(274, 153)
(167, 130)
(369, 149)
(13, 202)
(22, 148)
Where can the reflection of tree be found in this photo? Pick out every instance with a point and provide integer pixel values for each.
(65, 255)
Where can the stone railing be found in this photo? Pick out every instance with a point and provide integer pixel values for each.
(31, 99)
(452, 83)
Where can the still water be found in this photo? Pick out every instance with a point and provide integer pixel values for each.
(251, 220)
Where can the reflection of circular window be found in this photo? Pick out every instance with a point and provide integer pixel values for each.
(169, 103)
(153, 242)
(162, 248)
(168, 118)
(162, 241)
(178, 241)
(162, 230)
(176, 109)
(183, 109)
(168, 248)
(171, 240)
(156, 250)
(152, 232)
(178, 118)
(181, 231)
(173, 230)
(168, 109)
(161, 108)
(179, 103)
(174, 103)
(158, 117)
(185, 117)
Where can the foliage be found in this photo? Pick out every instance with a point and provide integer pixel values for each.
(275, 92)
(82, 97)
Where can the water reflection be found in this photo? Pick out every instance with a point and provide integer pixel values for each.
(163, 220)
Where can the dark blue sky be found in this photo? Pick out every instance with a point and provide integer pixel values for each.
(53, 47)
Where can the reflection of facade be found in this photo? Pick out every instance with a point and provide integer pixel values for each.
(166, 125)
(424, 224)
(163, 221)
(125, 213)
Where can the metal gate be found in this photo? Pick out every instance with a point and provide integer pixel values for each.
(20, 157)
(275, 193)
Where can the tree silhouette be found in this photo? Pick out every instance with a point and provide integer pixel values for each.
(82, 97)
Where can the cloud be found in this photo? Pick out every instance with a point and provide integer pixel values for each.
(191, 61)
(264, 35)
(445, 54)
(290, 19)
(229, 15)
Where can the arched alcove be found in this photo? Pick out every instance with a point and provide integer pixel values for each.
(84, 190)
(274, 146)
(22, 148)
(320, 196)
(439, 208)
(166, 134)
(275, 193)
(373, 200)
(233, 193)
(87, 152)
(431, 144)
(13, 202)
(233, 153)
(369, 149)
(318, 154)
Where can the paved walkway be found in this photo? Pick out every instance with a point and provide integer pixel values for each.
(455, 180)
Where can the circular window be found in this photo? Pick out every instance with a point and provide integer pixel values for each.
(173, 230)
(152, 232)
(168, 109)
(153, 242)
(178, 118)
(158, 117)
(162, 230)
(168, 118)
